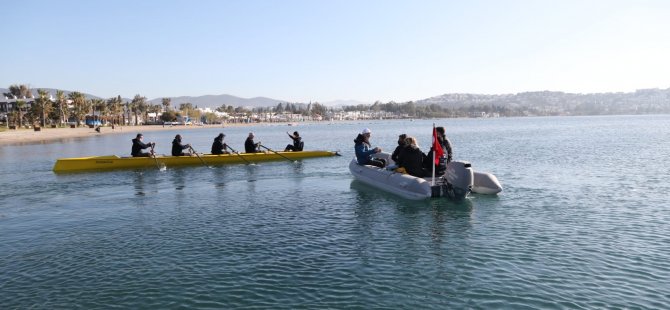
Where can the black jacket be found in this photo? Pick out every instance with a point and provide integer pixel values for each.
(441, 167)
(177, 148)
(411, 158)
(396, 152)
(217, 146)
(138, 146)
(297, 144)
(250, 146)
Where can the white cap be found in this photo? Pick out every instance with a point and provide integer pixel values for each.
(366, 130)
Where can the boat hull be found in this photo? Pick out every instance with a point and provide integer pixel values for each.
(403, 185)
(457, 183)
(459, 176)
(113, 162)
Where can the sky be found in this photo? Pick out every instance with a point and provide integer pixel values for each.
(313, 50)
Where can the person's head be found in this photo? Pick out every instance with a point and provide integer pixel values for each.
(220, 136)
(251, 135)
(411, 141)
(139, 136)
(401, 139)
(440, 130)
(366, 132)
(177, 137)
(295, 133)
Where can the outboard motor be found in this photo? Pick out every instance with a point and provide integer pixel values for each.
(459, 180)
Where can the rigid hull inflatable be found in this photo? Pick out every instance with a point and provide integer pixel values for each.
(457, 183)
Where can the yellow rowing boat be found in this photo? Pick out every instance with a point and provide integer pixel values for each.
(115, 162)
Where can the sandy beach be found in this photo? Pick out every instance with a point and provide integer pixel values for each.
(23, 136)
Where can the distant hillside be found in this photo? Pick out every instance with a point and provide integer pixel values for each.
(215, 101)
(559, 103)
(527, 103)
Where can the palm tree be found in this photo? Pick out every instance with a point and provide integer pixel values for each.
(138, 105)
(100, 106)
(157, 108)
(61, 106)
(126, 114)
(166, 103)
(20, 104)
(115, 106)
(81, 107)
(19, 92)
(42, 106)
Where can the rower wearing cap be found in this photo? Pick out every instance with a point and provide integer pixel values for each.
(364, 152)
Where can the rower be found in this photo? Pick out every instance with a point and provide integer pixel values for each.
(250, 146)
(297, 143)
(178, 147)
(138, 146)
(218, 147)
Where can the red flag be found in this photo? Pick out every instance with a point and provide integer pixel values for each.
(437, 148)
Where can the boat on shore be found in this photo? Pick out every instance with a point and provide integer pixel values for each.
(111, 162)
(457, 183)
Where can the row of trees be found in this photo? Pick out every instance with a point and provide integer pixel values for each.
(75, 106)
(310, 109)
(411, 109)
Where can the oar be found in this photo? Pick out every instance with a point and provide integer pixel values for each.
(267, 148)
(196, 154)
(238, 154)
(154, 156)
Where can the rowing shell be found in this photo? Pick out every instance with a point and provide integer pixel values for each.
(115, 162)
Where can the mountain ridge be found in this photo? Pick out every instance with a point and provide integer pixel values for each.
(652, 99)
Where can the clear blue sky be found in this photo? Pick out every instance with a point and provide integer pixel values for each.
(329, 50)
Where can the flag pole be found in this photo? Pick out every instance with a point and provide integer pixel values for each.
(432, 163)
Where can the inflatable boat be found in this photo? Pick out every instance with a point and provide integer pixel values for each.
(456, 184)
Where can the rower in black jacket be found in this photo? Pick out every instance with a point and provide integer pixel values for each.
(178, 147)
(138, 146)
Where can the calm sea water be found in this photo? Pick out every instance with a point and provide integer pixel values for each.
(583, 222)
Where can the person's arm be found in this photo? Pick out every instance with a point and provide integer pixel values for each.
(447, 145)
(145, 145)
(394, 156)
(361, 152)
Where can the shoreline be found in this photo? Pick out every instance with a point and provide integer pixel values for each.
(30, 136)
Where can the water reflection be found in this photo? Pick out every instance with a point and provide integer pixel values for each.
(139, 183)
(455, 214)
(218, 176)
(297, 167)
(252, 176)
(437, 218)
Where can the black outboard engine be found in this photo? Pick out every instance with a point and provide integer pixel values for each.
(458, 180)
